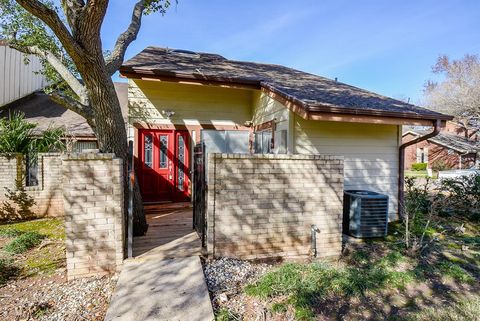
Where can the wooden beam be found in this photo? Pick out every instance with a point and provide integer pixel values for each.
(369, 119)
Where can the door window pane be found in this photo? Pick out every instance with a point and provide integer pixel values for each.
(181, 163)
(147, 148)
(163, 151)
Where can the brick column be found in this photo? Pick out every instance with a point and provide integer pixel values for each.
(94, 213)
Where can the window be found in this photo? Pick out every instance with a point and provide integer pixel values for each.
(80, 146)
(226, 141)
(32, 171)
(181, 163)
(148, 152)
(263, 142)
(282, 142)
(422, 155)
(163, 151)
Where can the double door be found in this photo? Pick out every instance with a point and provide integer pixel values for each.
(164, 165)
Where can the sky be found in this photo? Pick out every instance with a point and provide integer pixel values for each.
(384, 46)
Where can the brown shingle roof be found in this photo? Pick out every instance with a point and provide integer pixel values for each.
(455, 142)
(311, 92)
(41, 110)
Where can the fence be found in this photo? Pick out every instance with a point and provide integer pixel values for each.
(261, 206)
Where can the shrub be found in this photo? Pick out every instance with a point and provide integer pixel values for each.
(7, 269)
(24, 242)
(419, 166)
(440, 165)
(463, 196)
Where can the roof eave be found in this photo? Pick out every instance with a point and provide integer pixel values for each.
(308, 112)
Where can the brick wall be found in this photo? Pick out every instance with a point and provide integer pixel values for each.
(94, 215)
(261, 206)
(48, 194)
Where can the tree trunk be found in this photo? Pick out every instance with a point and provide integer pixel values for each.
(110, 129)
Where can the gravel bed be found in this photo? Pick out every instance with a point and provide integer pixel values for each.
(52, 298)
(226, 278)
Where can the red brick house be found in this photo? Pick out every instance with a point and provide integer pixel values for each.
(455, 147)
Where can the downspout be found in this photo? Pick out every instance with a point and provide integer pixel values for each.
(401, 163)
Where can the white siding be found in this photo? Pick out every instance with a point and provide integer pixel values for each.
(18, 79)
(370, 151)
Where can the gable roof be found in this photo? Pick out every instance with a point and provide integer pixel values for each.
(43, 111)
(314, 94)
(455, 142)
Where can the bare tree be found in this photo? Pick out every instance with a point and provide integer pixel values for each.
(458, 92)
(65, 34)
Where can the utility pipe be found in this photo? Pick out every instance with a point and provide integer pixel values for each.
(437, 124)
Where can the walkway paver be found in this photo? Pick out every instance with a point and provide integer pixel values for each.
(169, 289)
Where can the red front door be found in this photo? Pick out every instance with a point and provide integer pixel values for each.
(164, 165)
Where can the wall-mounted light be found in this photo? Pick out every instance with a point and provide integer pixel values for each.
(168, 113)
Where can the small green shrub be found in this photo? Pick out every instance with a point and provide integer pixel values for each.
(419, 166)
(24, 242)
(7, 269)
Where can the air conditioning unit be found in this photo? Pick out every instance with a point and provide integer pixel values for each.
(365, 214)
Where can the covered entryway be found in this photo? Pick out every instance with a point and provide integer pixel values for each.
(163, 169)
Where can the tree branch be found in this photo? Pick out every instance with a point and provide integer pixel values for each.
(59, 67)
(68, 102)
(125, 39)
(51, 18)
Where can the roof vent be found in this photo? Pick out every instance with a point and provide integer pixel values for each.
(185, 53)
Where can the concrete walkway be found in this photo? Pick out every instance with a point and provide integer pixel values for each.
(169, 289)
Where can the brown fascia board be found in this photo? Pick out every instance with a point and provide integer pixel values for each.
(296, 105)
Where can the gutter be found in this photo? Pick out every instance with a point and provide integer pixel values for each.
(401, 163)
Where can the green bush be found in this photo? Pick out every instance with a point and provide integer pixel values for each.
(419, 166)
(24, 242)
(440, 165)
(7, 269)
(463, 196)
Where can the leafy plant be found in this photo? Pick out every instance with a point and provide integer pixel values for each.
(419, 166)
(463, 196)
(419, 208)
(24, 242)
(7, 269)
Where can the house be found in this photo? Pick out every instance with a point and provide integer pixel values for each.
(21, 90)
(41, 110)
(455, 147)
(178, 98)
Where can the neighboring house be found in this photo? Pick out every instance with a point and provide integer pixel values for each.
(455, 147)
(43, 111)
(18, 79)
(21, 90)
(179, 98)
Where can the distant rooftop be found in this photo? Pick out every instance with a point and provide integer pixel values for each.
(315, 94)
(41, 110)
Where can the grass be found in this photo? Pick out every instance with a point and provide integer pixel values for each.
(465, 310)
(51, 228)
(225, 315)
(305, 284)
(455, 271)
(25, 236)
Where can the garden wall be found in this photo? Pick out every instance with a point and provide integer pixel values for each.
(47, 194)
(263, 206)
(94, 213)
